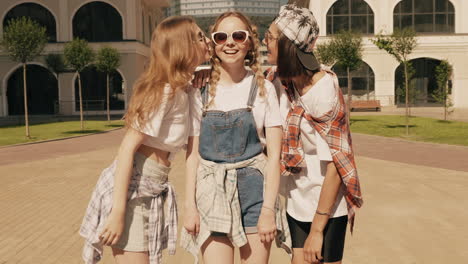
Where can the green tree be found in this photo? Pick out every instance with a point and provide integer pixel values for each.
(400, 45)
(325, 54)
(78, 55)
(107, 61)
(443, 73)
(55, 63)
(24, 39)
(413, 92)
(344, 49)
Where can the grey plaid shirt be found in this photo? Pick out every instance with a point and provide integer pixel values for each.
(162, 233)
(218, 205)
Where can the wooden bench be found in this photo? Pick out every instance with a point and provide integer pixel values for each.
(363, 105)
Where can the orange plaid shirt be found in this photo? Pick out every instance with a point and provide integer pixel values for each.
(334, 128)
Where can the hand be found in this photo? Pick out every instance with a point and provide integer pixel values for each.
(192, 220)
(313, 247)
(113, 229)
(201, 78)
(266, 225)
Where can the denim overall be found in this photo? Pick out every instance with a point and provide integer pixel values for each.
(229, 137)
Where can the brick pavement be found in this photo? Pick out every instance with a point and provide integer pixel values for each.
(411, 215)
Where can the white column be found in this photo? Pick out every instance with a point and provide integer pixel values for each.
(384, 67)
(384, 17)
(63, 33)
(460, 82)
(461, 18)
(131, 28)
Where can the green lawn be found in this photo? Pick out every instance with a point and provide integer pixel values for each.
(16, 134)
(421, 129)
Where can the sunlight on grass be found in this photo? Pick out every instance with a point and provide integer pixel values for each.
(16, 134)
(421, 129)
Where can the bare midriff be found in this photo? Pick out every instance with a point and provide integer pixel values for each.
(160, 156)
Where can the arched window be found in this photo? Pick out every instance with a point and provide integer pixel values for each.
(94, 90)
(37, 13)
(425, 16)
(96, 22)
(423, 83)
(363, 80)
(42, 91)
(348, 15)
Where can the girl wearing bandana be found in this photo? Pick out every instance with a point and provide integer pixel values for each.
(320, 178)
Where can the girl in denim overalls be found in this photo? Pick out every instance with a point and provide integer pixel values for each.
(231, 186)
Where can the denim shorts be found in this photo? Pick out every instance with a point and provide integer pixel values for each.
(250, 189)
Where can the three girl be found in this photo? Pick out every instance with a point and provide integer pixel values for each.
(235, 139)
(126, 210)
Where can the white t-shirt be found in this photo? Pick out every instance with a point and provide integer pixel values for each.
(168, 128)
(230, 97)
(303, 189)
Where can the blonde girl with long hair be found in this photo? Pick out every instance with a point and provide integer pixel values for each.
(231, 185)
(126, 210)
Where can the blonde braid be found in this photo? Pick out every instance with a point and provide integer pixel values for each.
(215, 76)
(255, 62)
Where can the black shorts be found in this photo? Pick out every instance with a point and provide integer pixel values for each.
(333, 236)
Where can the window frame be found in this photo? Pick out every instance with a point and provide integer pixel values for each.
(449, 14)
(369, 15)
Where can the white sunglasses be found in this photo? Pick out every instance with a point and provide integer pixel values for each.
(238, 36)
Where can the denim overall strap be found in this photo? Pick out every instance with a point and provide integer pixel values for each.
(205, 94)
(253, 93)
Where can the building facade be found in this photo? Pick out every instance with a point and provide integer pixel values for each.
(442, 27)
(121, 24)
(202, 8)
(442, 34)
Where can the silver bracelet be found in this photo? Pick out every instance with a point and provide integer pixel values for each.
(266, 207)
(321, 213)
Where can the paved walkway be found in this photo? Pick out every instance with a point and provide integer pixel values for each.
(415, 194)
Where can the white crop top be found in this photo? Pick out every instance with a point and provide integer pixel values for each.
(168, 127)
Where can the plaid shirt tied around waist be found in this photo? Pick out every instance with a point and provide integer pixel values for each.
(334, 128)
(219, 209)
(162, 230)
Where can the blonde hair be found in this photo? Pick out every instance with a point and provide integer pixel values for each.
(173, 60)
(252, 56)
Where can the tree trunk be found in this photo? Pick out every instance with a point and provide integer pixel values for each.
(406, 99)
(445, 101)
(108, 100)
(25, 96)
(368, 92)
(81, 102)
(350, 86)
